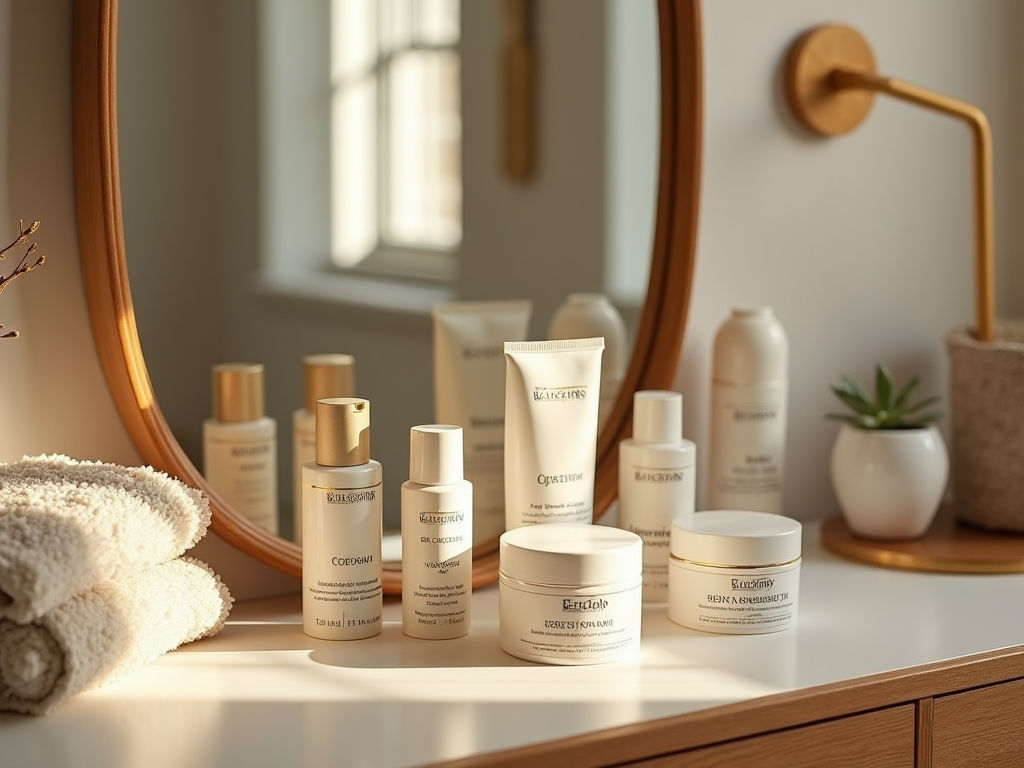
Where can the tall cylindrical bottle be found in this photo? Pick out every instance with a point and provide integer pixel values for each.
(657, 482)
(437, 536)
(240, 444)
(341, 523)
(748, 412)
(588, 315)
(324, 376)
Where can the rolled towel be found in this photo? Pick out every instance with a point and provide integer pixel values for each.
(67, 525)
(106, 632)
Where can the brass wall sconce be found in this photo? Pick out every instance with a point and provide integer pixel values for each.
(831, 80)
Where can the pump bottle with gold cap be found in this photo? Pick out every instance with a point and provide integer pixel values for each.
(341, 524)
(325, 375)
(240, 444)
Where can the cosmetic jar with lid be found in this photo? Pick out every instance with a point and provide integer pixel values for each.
(734, 572)
(570, 593)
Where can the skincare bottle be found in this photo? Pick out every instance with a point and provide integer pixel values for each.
(341, 523)
(240, 444)
(748, 412)
(437, 536)
(327, 375)
(657, 482)
(587, 315)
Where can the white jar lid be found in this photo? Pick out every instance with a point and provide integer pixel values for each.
(737, 539)
(570, 554)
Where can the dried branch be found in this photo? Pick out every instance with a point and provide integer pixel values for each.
(24, 266)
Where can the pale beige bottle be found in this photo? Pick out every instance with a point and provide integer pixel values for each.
(749, 395)
(240, 444)
(437, 535)
(342, 595)
(324, 376)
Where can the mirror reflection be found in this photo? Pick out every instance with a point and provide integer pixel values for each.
(313, 177)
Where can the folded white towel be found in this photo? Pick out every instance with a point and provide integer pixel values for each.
(68, 525)
(106, 632)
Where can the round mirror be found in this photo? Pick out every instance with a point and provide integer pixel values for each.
(658, 328)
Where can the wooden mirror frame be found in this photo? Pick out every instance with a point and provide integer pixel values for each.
(102, 252)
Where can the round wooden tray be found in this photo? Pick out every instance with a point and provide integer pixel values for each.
(948, 547)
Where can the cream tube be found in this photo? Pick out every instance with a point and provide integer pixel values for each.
(552, 391)
(469, 375)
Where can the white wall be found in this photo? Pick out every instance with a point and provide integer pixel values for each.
(863, 243)
(54, 397)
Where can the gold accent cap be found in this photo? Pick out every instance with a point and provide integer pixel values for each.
(238, 393)
(342, 431)
(327, 375)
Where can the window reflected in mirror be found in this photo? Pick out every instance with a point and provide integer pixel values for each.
(396, 182)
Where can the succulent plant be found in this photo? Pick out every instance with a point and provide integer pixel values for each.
(888, 409)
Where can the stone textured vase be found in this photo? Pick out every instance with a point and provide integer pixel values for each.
(889, 482)
(987, 426)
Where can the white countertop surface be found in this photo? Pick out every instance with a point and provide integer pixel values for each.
(264, 694)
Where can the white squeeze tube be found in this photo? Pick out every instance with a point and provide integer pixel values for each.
(552, 391)
(469, 385)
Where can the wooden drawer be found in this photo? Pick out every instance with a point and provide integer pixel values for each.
(984, 727)
(882, 739)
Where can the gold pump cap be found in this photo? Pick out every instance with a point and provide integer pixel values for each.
(342, 431)
(238, 392)
(327, 375)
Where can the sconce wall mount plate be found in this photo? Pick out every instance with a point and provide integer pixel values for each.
(812, 94)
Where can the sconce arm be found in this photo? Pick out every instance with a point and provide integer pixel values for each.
(983, 186)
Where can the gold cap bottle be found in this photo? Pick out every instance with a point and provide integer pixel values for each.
(327, 375)
(238, 393)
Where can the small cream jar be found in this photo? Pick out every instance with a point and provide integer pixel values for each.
(570, 593)
(734, 572)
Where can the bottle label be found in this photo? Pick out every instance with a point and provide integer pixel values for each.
(748, 447)
(734, 600)
(437, 562)
(569, 628)
(649, 500)
(244, 472)
(341, 562)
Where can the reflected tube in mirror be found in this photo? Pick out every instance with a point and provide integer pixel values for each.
(469, 386)
(552, 391)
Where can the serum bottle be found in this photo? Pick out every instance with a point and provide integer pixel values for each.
(748, 412)
(327, 375)
(657, 482)
(341, 521)
(437, 536)
(240, 444)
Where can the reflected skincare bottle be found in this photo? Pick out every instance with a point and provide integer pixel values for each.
(326, 375)
(341, 523)
(657, 482)
(748, 412)
(437, 536)
(586, 315)
(240, 444)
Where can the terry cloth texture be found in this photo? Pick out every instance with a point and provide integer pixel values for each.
(987, 413)
(67, 525)
(107, 631)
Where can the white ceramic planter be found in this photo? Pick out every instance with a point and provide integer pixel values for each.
(890, 482)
